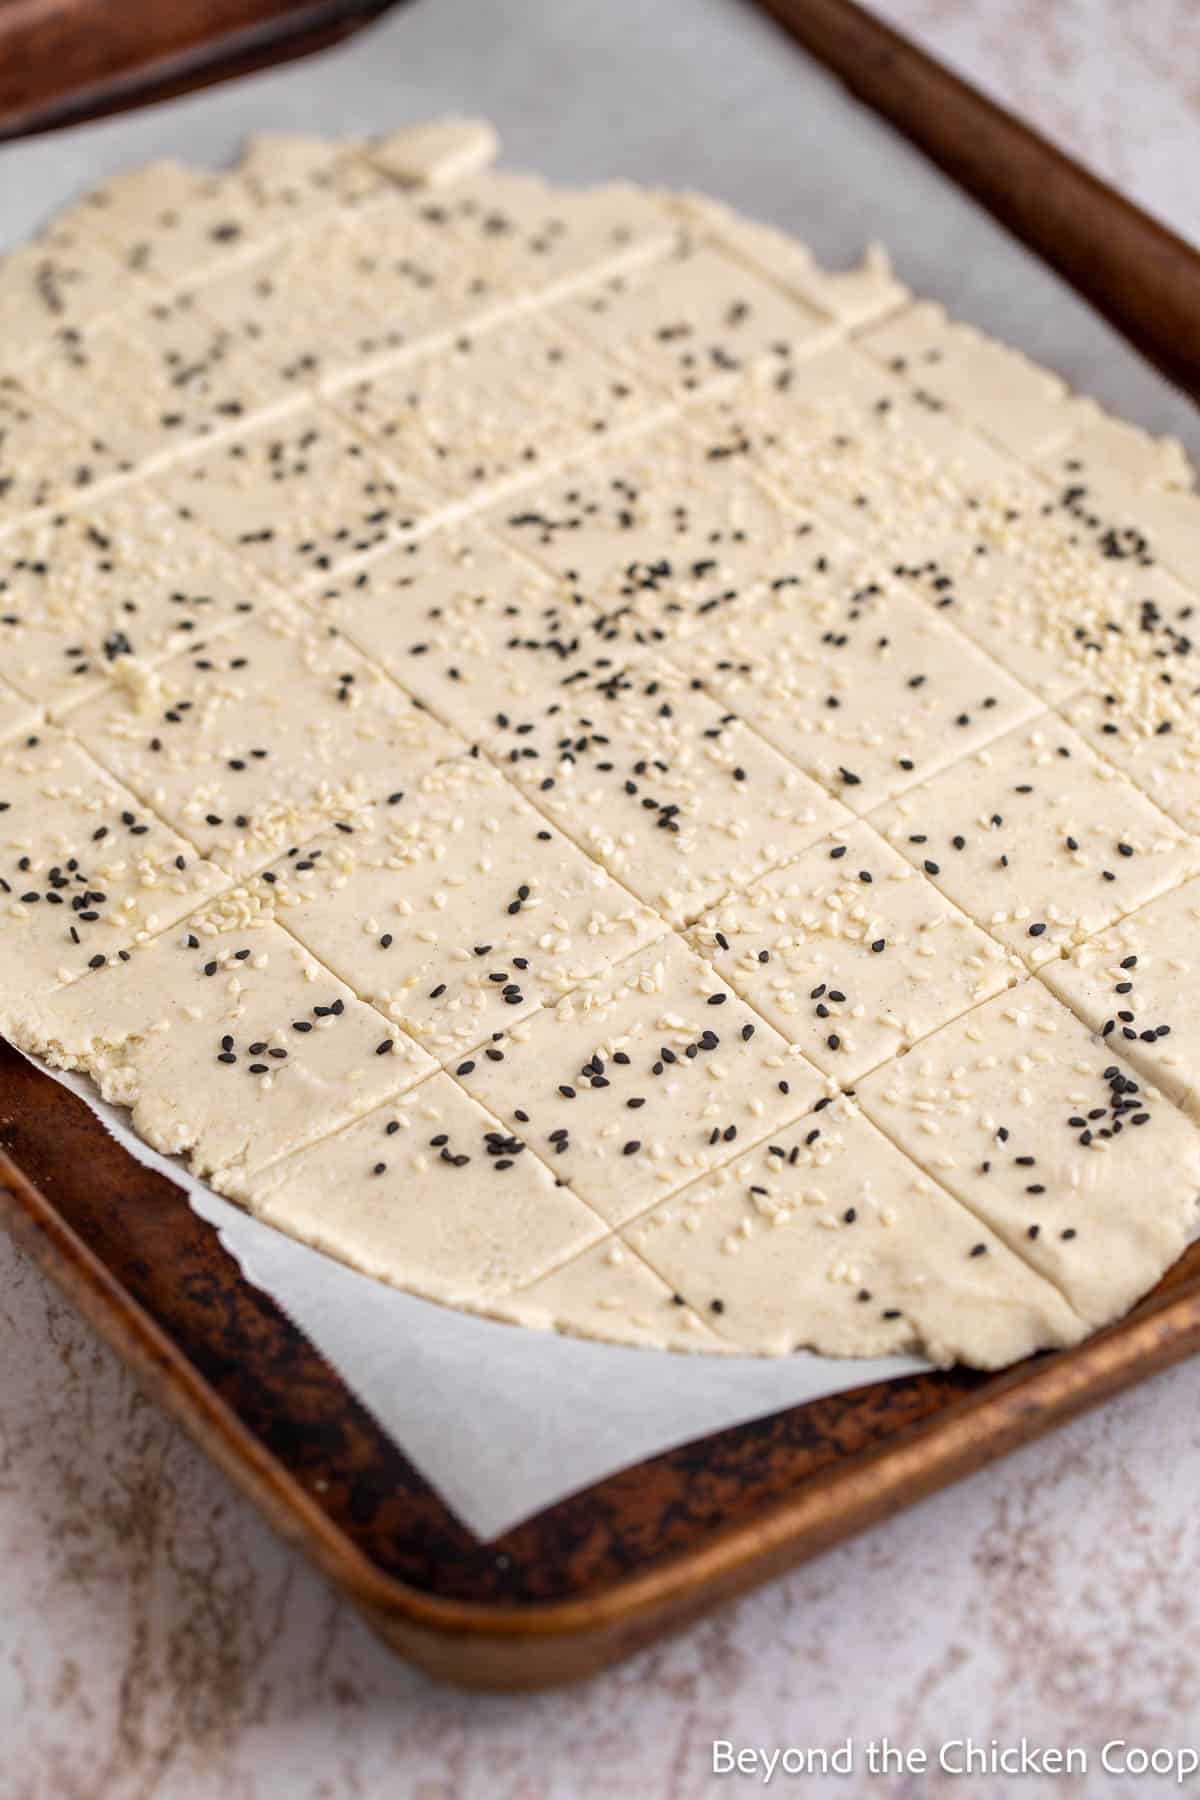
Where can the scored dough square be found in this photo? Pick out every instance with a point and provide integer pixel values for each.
(663, 529)
(534, 239)
(82, 592)
(288, 309)
(1134, 498)
(262, 737)
(1143, 718)
(433, 1195)
(679, 799)
(193, 364)
(1034, 1124)
(46, 460)
(289, 306)
(410, 274)
(490, 411)
(861, 685)
(176, 223)
(466, 625)
(456, 910)
(157, 382)
(697, 320)
(1025, 409)
(1048, 606)
(830, 1237)
(85, 870)
(643, 1078)
(1038, 840)
(843, 440)
(609, 1292)
(1115, 455)
(172, 222)
(852, 296)
(67, 277)
(300, 497)
(925, 499)
(1134, 984)
(231, 1047)
(851, 954)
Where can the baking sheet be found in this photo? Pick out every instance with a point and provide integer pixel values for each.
(503, 1421)
(707, 95)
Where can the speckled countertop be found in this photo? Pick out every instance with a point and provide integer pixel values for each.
(156, 1643)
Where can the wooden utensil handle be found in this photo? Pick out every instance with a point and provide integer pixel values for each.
(1137, 272)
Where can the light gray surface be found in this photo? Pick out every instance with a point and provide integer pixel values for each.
(158, 1644)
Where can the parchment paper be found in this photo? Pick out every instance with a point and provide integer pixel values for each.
(701, 94)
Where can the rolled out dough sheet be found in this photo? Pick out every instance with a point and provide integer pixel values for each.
(592, 768)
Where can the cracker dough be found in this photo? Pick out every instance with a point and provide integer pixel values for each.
(697, 320)
(609, 1291)
(300, 497)
(496, 407)
(674, 795)
(176, 224)
(851, 296)
(664, 530)
(261, 737)
(517, 703)
(411, 294)
(1043, 1133)
(1038, 840)
(1149, 517)
(536, 239)
(156, 383)
(81, 593)
(1149, 730)
(644, 1078)
(850, 954)
(86, 870)
(1134, 985)
(468, 626)
(456, 909)
(865, 688)
(1032, 593)
(830, 1237)
(65, 278)
(45, 460)
(314, 179)
(1024, 409)
(230, 1046)
(434, 1185)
